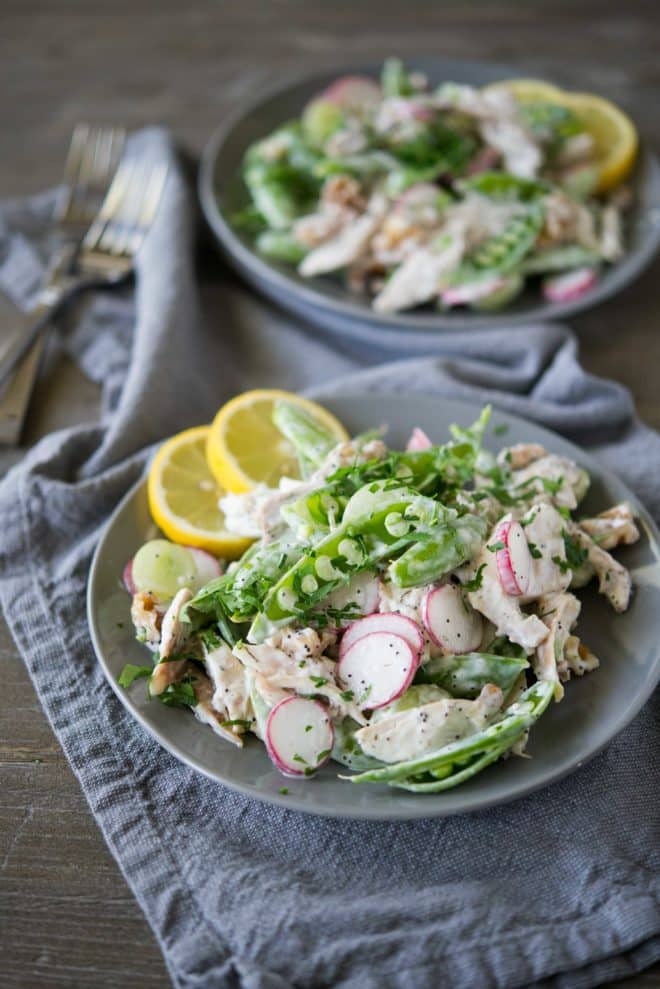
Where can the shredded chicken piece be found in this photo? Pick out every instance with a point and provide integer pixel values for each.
(412, 733)
(577, 659)
(522, 157)
(544, 529)
(611, 234)
(231, 696)
(503, 611)
(347, 244)
(521, 455)
(615, 527)
(205, 711)
(292, 660)
(553, 468)
(147, 617)
(567, 221)
(614, 581)
(174, 634)
(418, 279)
(560, 613)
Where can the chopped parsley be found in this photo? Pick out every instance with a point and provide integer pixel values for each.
(179, 694)
(347, 695)
(494, 547)
(535, 551)
(500, 429)
(241, 722)
(283, 790)
(477, 580)
(319, 681)
(131, 673)
(575, 555)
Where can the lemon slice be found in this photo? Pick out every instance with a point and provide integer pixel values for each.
(614, 134)
(245, 448)
(183, 496)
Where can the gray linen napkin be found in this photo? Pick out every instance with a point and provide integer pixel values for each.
(559, 889)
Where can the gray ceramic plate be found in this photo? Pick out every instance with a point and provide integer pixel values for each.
(595, 708)
(324, 302)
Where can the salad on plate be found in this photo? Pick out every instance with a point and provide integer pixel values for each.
(447, 195)
(408, 614)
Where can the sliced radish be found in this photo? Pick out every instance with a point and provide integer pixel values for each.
(390, 622)
(418, 440)
(460, 295)
(378, 668)
(353, 92)
(208, 566)
(299, 736)
(127, 577)
(360, 594)
(400, 109)
(514, 561)
(450, 621)
(572, 285)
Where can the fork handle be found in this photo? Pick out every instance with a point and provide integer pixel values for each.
(27, 328)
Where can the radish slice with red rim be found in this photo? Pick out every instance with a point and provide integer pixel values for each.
(127, 577)
(207, 566)
(569, 286)
(299, 736)
(513, 560)
(418, 440)
(353, 92)
(451, 621)
(389, 622)
(377, 669)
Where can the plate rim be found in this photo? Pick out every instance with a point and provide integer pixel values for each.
(431, 807)
(421, 326)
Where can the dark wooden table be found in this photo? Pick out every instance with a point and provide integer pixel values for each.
(67, 918)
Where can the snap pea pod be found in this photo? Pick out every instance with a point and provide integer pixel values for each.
(365, 165)
(394, 79)
(346, 749)
(466, 675)
(518, 718)
(449, 779)
(380, 519)
(437, 552)
(558, 259)
(312, 441)
(240, 592)
(505, 251)
(503, 185)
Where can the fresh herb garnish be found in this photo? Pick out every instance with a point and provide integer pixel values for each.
(494, 547)
(130, 673)
(501, 429)
(535, 551)
(575, 555)
(181, 693)
(477, 580)
(319, 681)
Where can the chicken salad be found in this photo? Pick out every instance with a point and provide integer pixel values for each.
(408, 614)
(445, 196)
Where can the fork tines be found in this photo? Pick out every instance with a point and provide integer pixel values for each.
(94, 154)
(127, 210)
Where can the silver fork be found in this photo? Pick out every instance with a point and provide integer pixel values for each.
(106, 254)
(92, 160)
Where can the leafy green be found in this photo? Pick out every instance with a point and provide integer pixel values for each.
(130, 673)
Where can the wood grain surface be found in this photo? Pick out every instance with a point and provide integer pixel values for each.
(67, 918)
